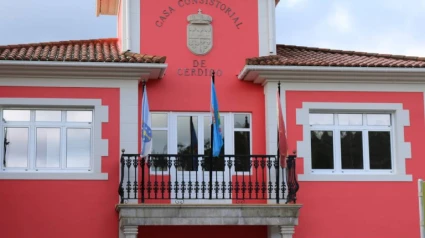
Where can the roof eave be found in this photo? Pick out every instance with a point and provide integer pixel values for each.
(262, 74)
(83, 70)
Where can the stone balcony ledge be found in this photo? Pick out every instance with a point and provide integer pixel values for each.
(171, 214)
(281, 219)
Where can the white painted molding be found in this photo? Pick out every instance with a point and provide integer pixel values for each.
(262, 73)
(402, 148)
(356, 177)
(82, 70)
(52, 176)
(100, 145)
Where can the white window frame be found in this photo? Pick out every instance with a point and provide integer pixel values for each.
(234, 129)
(336, 129)
(229, 130)
(401, 150)
(99, 146)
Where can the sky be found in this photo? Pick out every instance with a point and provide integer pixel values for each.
(381, 26)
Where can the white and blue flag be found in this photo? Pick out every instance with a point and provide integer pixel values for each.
(217, 141)
(146, 125)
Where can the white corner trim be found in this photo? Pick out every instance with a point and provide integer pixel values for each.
(402, 148)
(100, 145)
(130, 25)
(263, 28)
(134, 26)
(272, 27)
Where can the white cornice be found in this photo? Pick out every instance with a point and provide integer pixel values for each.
(82, 70)
(261, 74)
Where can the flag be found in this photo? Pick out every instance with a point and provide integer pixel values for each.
(281, 133)
(146, 125)
(217, 141)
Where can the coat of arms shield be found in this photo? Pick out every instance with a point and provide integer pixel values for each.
(199, 33)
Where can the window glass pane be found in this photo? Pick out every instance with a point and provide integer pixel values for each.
(242, 121)
(322, 151)
(321, 119)
(350, 119)
(242, 147)
(159, 120)
(78, 148)
(218, 163)
(159, 146)
(187, 142)
(380, 149)
(16, 154)
(79, 116)
(378, 119)
(48, 147)
(16, 115)
(351, 150)
(48, 115)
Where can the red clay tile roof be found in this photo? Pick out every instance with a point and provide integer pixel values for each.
(308, 56)
(98, 50)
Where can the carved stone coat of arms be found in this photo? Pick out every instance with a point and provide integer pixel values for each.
(199, 33)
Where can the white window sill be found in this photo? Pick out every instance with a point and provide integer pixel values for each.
(53, 176)
(355, 177)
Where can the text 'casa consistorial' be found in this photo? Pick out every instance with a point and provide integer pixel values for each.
(226, 9)
(199, 68)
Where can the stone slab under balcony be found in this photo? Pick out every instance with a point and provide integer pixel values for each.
(228, 214)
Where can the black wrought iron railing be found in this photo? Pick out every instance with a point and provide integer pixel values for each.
(182, 177)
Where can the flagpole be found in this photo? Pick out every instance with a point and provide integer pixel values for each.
(143, 90)
(191, 141)
(278, 152)
(211, 153)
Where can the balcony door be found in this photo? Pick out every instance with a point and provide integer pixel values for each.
(191, 141)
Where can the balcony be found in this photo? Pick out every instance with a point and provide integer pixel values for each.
(197, 190)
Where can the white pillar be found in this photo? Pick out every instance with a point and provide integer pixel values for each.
(129, 231)
(273, 232)
(287, 231)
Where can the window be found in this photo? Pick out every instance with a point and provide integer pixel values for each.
(218, 163)
(159, 140)
(242, 144)
(351, 142)
(46, 140)
(186, 134)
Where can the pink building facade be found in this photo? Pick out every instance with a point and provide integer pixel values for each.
(72, 131)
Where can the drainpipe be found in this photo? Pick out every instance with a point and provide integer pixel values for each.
(421, 207)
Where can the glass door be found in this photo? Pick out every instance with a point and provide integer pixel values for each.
(192, 143)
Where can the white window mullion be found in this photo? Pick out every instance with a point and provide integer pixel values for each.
(200, 135)
(366, 159)
(32, 142)
(337, 151)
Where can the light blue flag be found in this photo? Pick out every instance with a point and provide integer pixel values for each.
(215, 120)
(146, 125)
